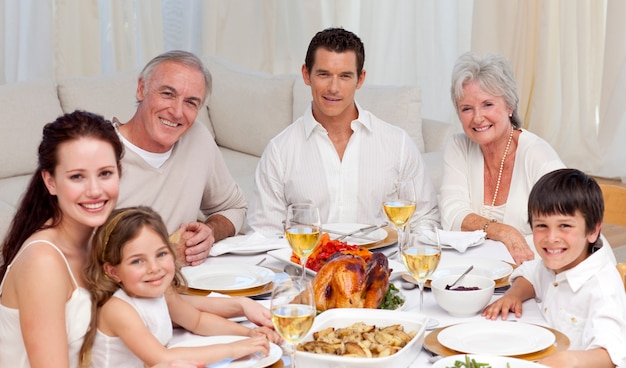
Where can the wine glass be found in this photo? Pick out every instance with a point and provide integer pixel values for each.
(293, 310)
(303, 230)
(421, 258)
(400, 206)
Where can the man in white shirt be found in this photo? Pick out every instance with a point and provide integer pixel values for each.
(337, 155)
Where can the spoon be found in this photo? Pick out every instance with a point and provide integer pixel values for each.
(448, 287)
(292, 270)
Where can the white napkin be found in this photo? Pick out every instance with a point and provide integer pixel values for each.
(252, 243)
(459, 240)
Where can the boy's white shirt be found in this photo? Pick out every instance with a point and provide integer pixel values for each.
(587, 303)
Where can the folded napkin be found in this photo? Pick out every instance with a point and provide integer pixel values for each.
(249, 243)
(459, 240)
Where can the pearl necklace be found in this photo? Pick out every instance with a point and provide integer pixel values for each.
(495, 194)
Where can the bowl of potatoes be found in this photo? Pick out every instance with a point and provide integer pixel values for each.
(361, 337)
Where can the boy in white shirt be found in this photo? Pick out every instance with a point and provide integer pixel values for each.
(576, 283)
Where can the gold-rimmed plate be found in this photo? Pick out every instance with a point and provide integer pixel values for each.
(227, 277)
(561, 343)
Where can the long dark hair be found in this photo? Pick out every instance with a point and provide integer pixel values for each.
(37, 205)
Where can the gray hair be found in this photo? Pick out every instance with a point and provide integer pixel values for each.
(181, 57)
(493, 73)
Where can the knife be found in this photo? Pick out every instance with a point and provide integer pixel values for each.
(365, 230)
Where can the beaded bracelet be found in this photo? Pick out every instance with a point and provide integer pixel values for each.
(486, 225)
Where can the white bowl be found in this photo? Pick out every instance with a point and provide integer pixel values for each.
(344, 317)
(463, 303)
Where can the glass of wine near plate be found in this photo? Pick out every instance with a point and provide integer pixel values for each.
(400, 206)
(421, 260)
(293, 311)
(303, 230)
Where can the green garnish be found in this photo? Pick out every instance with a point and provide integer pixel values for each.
(472, 363)
(392, 299)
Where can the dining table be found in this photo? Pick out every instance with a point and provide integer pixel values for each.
(489, 249)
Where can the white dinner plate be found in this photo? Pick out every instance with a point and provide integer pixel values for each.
(496, 338)
(248, 361)
(482, 266)
(493, 361)
(344, 228)
(284, 255)
(227, 277)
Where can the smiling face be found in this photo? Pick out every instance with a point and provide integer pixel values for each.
(333, 80)
(562, 241)
(169, 103)
(485, 118)
(85, 181)
(147, 267)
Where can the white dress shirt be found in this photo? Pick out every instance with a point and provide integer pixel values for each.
(587, 303)
(301, 164)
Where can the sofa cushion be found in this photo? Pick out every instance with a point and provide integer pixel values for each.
(110, 96)
(396, 105)
(248, 108)
(26, 108)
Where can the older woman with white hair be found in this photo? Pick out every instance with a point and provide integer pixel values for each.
(490, 168)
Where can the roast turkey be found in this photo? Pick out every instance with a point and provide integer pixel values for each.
(347, 281)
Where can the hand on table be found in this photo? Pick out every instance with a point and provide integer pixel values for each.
(193, 243)
(518, 247)
(502, 306)
(256, 313)
(269, 334)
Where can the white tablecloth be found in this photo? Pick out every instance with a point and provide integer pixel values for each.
(489, 249)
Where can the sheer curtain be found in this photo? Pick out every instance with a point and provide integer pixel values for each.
(569, 57)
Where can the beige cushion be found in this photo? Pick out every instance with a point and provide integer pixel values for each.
(26, 108)
(400, 106)
(109, 96)
(247, 108)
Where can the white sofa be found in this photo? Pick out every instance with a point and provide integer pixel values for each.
(245, 111)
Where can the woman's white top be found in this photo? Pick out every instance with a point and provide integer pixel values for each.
(111, 352)
(77, 318)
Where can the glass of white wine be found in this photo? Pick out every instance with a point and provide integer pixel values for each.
(400, 206)
(293, 310)
(303, 230)
(420, 258)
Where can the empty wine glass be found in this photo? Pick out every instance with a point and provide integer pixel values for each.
(303, 230)
(293, 310)
(400, 206)
(421, 258)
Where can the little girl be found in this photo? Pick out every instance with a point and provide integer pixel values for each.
(133, 279)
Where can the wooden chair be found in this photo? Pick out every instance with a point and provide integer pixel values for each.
(614, 204)
(615, 213)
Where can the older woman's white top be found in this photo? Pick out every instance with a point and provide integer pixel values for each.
(463, 187)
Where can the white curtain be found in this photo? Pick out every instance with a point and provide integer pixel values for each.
(569, 56)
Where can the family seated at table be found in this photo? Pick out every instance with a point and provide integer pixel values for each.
(337, 155)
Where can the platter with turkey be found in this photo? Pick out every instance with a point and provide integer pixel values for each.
(349, 276)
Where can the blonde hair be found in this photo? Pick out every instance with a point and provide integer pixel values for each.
(122, 226)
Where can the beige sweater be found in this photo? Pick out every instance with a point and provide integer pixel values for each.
(193, 184)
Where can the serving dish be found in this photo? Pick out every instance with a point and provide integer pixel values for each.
(248, 361)
(227, 277)
(284, 255)
(344, 317)
(493, 361)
